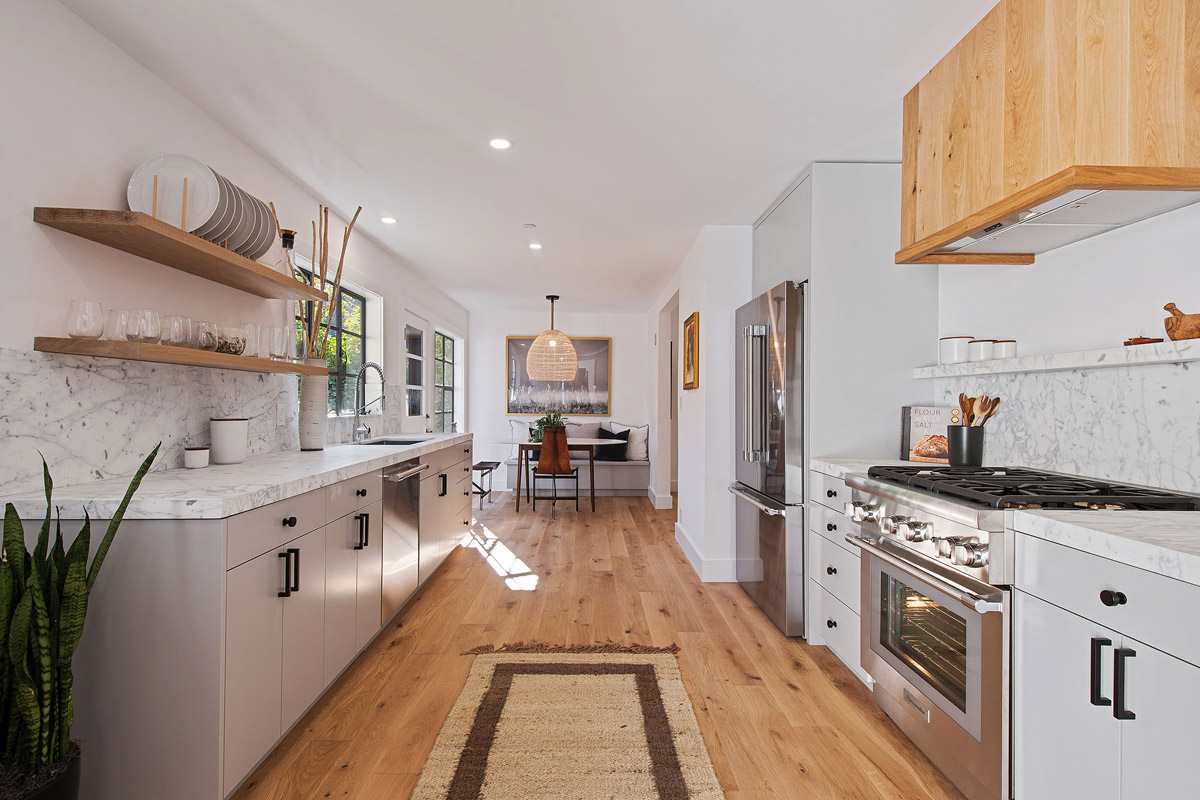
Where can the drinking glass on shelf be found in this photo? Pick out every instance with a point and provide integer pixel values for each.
(279, 343)
(205, 335)
(85, 319)
(252, 339)
(176, 330)
(145, 325)
(115, 323)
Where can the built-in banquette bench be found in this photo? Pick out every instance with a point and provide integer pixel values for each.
(613, 478)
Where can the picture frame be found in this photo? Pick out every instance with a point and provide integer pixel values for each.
(589, 395)
(691, 351)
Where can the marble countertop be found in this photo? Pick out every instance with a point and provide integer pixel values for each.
(840, 467)
(1163, 542)
(220, 491)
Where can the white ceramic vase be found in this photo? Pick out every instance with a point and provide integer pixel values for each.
(314, 407)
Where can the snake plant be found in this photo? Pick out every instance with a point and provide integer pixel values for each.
(43, 604)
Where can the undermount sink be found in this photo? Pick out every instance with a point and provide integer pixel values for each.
(399, 440)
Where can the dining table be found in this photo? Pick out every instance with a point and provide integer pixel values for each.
(590, 445)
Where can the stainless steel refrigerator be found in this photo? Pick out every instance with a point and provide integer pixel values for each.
(769, 489)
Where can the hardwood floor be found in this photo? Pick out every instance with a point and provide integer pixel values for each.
(781, 719)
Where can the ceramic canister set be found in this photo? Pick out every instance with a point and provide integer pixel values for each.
(959, 349)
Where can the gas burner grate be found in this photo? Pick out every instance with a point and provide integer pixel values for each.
(1021, 487)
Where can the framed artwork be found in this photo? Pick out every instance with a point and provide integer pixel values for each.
(588, 395)
(691, 351)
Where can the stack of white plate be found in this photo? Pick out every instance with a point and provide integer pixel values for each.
(217, 209)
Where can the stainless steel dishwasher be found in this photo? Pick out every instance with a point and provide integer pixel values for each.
(401, 516)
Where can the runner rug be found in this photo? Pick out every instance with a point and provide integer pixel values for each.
(559, 723)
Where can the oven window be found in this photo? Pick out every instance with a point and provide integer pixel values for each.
(925, 635)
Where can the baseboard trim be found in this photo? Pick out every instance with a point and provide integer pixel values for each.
(660, 501)
(710, 570)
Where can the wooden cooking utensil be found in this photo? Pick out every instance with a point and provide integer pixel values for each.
(965, 404)
(978, 409)
(991, 409)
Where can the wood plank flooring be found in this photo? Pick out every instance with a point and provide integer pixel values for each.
(781, 719)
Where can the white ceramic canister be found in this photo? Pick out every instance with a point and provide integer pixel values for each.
(982, 349)
(195, 457)
(229, 439)
(1005, 348)
(953, 349)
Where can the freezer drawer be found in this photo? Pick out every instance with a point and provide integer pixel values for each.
(770, 557)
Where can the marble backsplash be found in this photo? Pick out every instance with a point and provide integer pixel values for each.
(95, 418)
(1139, 424)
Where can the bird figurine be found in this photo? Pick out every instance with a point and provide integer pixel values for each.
(1180, 325)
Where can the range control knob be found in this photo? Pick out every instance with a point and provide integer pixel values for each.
(970, 555)
(945, 544)
(890, 525)
(914, 531)
(867, 513)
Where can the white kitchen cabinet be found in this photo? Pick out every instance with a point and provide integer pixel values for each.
(1158, 746)
(1063, 745)
(253, 663)
(341, 595)
(369, 591)
(1098, 713)
(304, 628)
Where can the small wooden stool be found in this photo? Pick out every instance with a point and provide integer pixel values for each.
(485, 470)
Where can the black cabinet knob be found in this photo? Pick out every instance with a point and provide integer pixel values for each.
(830, 493)
(829, 526)
(831, 570)
(361, 492)
(289, 522)
(830, 623)
(1111, 598)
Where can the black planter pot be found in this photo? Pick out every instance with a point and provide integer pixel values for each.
(64, 786)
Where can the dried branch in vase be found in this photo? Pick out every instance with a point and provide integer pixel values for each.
(315, 334)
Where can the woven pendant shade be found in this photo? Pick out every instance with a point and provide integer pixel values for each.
(552, 356)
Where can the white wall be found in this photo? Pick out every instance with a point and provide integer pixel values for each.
(630, 353)
(714, 279)
(1092, 294)
(81, 115)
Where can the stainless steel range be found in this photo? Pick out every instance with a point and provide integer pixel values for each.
(937, 570)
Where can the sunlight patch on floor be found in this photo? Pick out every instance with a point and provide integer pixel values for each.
(516, 573)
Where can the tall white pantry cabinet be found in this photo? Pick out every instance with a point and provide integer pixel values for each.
(207, 640)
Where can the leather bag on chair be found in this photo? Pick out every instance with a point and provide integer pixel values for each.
(554, 458)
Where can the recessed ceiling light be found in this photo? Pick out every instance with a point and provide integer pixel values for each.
(388, 220)
(501, 144)
(535, 245)
(529, 226)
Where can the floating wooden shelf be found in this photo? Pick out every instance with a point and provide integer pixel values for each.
(1167, 352)
(143, 235)
(166, 354)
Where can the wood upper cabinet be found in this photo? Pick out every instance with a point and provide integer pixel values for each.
(1041, 98)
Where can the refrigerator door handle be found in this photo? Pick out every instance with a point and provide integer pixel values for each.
(747, 394)
(757, 400)
(761, 506)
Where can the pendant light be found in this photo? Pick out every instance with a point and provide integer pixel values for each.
(552, 356)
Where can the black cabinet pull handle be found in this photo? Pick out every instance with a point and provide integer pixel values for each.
(366, 539)
(359, 519)
(443, 492)
(830, 493)
(287, 574)
(289, 522)
(1111, 598)
(295, 551)
(1098, 644)
(831, 570)
(1119, 709)
(361, 492)
(830, 623)
(467, 450)
(829, 526)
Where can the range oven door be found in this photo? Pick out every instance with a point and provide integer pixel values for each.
(937, 645)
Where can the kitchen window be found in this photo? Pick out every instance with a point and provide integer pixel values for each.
(443, 382)
(345, 344)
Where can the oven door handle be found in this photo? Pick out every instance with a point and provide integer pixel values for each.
(968, 598)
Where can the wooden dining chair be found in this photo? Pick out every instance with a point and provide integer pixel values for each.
(554, 463)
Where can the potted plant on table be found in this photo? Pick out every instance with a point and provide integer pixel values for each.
(43, 604)
(552, 456)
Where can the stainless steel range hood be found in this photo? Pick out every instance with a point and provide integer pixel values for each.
(1069, 218)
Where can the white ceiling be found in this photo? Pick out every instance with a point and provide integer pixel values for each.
(635, 122)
